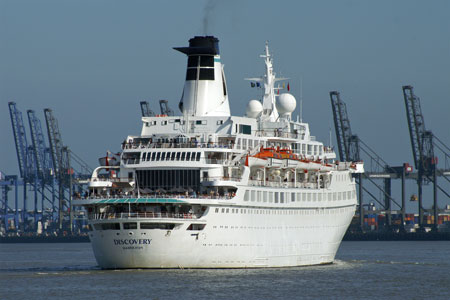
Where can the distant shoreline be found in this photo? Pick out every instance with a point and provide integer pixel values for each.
(395, 236)
(45, 239)
(349, 236)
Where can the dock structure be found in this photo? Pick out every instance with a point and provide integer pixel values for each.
(47, 173)
(423, 142)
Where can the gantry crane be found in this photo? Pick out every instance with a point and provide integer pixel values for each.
(350, 147)
(21, 144)
(43, 168)
(165, 109)
(44, 164)
(61, 167)
(348, 144)
(145, 109)
(422, 145)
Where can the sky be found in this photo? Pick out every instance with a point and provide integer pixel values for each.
(92, 62)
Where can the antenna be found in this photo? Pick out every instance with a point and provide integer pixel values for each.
(331, 143)
(301, 100)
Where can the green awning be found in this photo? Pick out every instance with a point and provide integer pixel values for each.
(127, 200)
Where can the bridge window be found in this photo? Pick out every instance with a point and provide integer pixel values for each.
(245, 129)
(107, 226)
(165, 226)
(196, 227)
(130, 225)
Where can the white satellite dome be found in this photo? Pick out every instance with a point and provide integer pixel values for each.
(254, 109)
(286, 103)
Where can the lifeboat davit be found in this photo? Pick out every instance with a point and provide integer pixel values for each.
(253, 161)
(266, 157)
(309, 165)
(110, 159)
(326, 167)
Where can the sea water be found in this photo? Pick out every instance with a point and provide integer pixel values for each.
(362, 270)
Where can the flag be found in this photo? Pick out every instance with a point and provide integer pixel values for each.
(257, 84)
(283, 85)
(252, 84)
(288, 87)
(278, 91)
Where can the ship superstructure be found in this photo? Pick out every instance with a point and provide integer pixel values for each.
(209, 190)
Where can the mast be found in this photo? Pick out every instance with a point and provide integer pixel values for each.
(270, 112)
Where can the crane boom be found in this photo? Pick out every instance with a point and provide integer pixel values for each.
(20, 138)
(421, 139)
(145, 109)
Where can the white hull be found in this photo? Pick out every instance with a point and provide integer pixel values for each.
(260, 237)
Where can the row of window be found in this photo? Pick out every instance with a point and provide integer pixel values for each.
(167, 156)
(271, 211)
(285, 197)
(143, 225)
(342, 177)
(179, 121)
(168, 179)
(307, 149)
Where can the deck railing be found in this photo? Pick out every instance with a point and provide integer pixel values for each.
(283, 184)
(176, 145)
(141, 215)
(157, 196)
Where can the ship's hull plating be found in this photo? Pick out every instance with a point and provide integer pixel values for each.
(256, 238)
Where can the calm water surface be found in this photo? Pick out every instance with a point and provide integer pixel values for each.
(362, 270)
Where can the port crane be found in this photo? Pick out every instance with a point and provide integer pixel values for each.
(45, 171)
(146, 110)
(165, 109)
(351, 147)
(422, 145)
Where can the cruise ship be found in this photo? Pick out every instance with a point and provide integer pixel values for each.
(206, 189)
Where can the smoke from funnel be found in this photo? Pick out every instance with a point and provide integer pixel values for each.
(207, 14)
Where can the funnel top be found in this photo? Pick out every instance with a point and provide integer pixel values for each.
(208, 45)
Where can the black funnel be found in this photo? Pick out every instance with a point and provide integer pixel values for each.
(201, 45)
